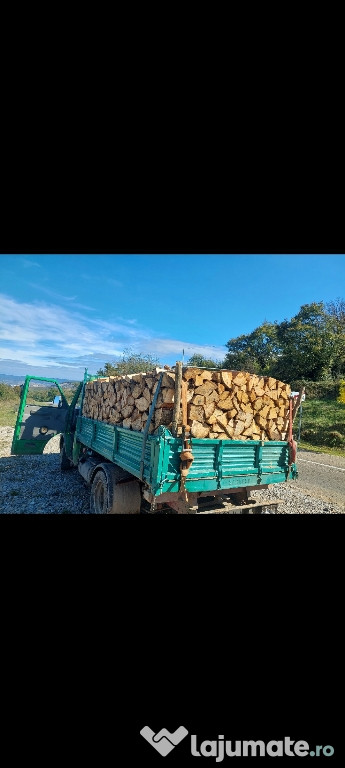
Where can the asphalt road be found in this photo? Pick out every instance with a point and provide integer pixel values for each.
(322, 475)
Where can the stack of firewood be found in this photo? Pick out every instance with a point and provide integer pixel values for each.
(221, 404)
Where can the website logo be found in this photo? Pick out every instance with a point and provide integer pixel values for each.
(164, 741)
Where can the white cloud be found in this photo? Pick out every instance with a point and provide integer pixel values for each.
(28, 263)
(41, 335)
(51, 293)
(60, 297)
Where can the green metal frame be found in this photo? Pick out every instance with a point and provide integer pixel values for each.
(218, 464)
(19, 445)
(72, 447)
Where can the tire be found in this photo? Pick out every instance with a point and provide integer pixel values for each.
(64, 460)
(108, 498)
(99, 494)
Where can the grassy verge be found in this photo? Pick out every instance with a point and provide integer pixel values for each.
(316, 449)
(8, 412)
(323, 427)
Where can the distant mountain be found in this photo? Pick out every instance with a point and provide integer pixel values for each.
(8, 378)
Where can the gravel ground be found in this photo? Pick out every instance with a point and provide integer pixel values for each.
(36, 485)
(297, 501)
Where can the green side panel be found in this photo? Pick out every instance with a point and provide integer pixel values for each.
(122, 446)
(228, 464)
(218, 464)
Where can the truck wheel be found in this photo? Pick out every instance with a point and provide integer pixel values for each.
(111, 498)
(64, 460)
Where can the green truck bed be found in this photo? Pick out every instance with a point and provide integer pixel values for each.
(217, 464)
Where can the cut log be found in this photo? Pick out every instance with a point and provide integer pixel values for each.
(213, 397)
(229, 431)
(190, 373)
(214, 416)
(206, 375)
(262, 423)
(240, 379)
(222, 419)
(167, 395)
(198, 430)
(142, 404)
(226, 379)
(168, 380)
(225, 405)
(199, 400)
(196, 412)
(209, 409)
(127, 410)
(217, 427)
(239, 428)
(206, 388)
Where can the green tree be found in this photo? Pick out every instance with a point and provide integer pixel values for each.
(6, 391)
(307, 345)
(199, 361)
(310, 346)
(40, 394)
(254, 352)
(336, 312)
(130, 362)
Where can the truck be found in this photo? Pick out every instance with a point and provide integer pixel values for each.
(131, 472)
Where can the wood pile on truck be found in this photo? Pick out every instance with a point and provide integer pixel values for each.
(218, 404)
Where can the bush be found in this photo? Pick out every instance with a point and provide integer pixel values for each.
(319, 390)
(323, 423)
(6, 392)
(336, 439)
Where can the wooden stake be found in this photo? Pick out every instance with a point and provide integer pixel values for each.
(184, 403)
(177, 397)
(297, 404)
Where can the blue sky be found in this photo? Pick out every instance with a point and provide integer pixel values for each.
(60, 314)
